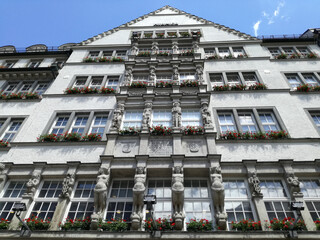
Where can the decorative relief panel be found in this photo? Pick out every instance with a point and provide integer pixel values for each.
(126, 147)
(194, 147)
(160, 147)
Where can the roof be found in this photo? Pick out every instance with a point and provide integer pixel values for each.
(167, 7)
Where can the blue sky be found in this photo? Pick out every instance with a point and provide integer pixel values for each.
(55, 22)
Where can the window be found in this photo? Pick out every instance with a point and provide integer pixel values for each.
(10, 88)
(132, 119)
(140, 78)
(190, 118)
(233, 78)
(296, 79)
(293, 80)
(107, 54)
(223, 52)
(276, 199)
(274, 51)
(162, 190)
(237, 201)
(34, 63)
(316, 118)
(250, 78)
(226, 122)
(112, 82)
(210, 51)
(9, 64)
(96, 82)
(161, 117)
(164, 78)
(25, 87)
(238, 51)
(80, 82)
(311, 194)
(121, 53)
(93, 54)
(120, 200)
(303, 50)
(12, 194)
(288, 50)
(216, 79)
(197, 200)
(187, 76)
(47, 199)
(248, 121)
(81, 122)
(12, 130)
(310, 79)
(82, 205)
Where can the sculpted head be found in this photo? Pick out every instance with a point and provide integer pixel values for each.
(178, 170)
(140, 170)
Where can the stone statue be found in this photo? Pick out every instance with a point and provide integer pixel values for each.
(134, 49)
(175, 48)
(138, 195)
(128, 76)
(293, 183)
(195, 46)
(67, 185)
(206, 115)
(254, 183)
(152, 75)
(199, 71)
(147, 113)
(178, 196)
(100, 191)
(154, 48)
(176, 115)
(175, 74)
(32, 184)
(218, 197)
(117, 116)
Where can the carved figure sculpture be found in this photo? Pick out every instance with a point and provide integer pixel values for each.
(175, 73)
(176, 114)
(254, 183)
(218, 197)
(199, 71)
(67, 186)
(175, 47)
(206, 116)
(147, 113)
(293, 183)
(154, 48)
(138, 194)
(100, 191)
(152, 75)
(117, 116)
(32, 184)
(195, 46)
(178, 196)
(128, 76)
(134, 49)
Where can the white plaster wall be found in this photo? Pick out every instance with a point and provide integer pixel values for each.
(120, 37)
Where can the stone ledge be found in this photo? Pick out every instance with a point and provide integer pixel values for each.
(44, 144)
(286, 140)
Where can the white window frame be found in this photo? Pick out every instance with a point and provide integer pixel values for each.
(34, 63)
(73, 126)
(161, 119)
(8, 131)
(311, 200)
(226, 124)
(53, 126)
(98, 126)
(196, 121)
(140, 112)
(248, 124)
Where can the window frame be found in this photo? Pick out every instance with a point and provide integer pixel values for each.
(200, 120)
(309, 112)
(18, 87)
(282, 51)
(162, 119)
(311, 199)
(6, 124)
(140, 111)
(300, 77)
(89, 78)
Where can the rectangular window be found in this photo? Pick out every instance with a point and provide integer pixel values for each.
(247, 122)
(226, 122)
(10, 88)
(316, 119)
(233, 78)
(79, 124)
(223, 52)
(113, 82)
(140, 78)
(132, 119)
(293, 80)
(120, 200)
(99, 124)
(121, 53)
(93, 54)
(41, 87)
(164, 78)
(25, 88)
(47, 199)
(161, 117)
(311, 194)
(60, 124)
(310, 79)
(197, 202)
(187, 76)
(250, 78)
(288, 50)
(274, 52)
(216, 79)
(9, 64)
(34, 63)
(162, 190)
(238, 51)
(269, 122)
(191, 118)
(107, 54)
(303, 50)
(12, 130)
(80, 82)
(96, 82)
(209, 51)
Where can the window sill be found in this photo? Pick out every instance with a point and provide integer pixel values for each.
(14, 144)
(237, 59)
(294, 59)
(293, 92)
(4, 149)
(251, 91)
(21, 100)
(250, 141)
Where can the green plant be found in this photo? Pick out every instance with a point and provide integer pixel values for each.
(189, 83)
(3, 143)
(129, 131)
(160, 130)
(13, 96)
(317, 223)
(71, 137)
(286, 224)
(74, 90)
(114, 225)
(294, 56)
(76, 224)
(230, 56)
(32, 96)
(172, 34)
(233, 135)
(312, 55)
(144, 54)
(160, 224)
(4, 224)
(316, 88)
(147, 35)
(214, 57)
(192, 130)
(202, 225)
(162, 84)
(105, 90)
(88, 90)
(49, 138)
(258, 86)
(184, 34)
(36, 223)
(282, 56)
(304, 88)
(117, 59)
(138, 84)
(187, 53)
(164, 53)
(89, 59)
(238, 87)
(221, 88)
(160, 35)
(246, 225)
(92, 137)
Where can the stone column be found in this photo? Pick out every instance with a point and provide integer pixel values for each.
(178, 197)
(139, 189)
(64, 198)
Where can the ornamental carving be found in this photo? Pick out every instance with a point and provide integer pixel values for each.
(147, 113)
(100, 191)
(194, 146)
(32, 184)
(134, 49)
(160, 147)
(154, 48)
(178, 196)
(127, 146)
(293, 183)
(176, 115)
(117, 116)
(206, 115)
(67, 185)
(128, 76)
(254, 184)
(199, 72)
(175, 48)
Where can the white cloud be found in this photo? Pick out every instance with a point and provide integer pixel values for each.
(276, 12)
(256, 27)
(272, 17)
(265, 14)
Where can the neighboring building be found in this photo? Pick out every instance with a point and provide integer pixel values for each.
(242, 118)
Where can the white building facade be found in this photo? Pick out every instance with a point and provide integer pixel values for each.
(241, 137)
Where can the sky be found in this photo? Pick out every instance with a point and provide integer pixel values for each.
(55, 22)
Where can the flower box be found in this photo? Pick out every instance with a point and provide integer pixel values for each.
(184, 34)
(192, 130)
(282, 56)
(312, 55)
(258, 86)
(3, 144)
(12, 96)
(76, 224)
(230, 56)
(160, 35)
(286, 224)
(189, 83)
(295, 56)
(69, 137)
(36, 223)
(187, 53)
(308, 88)
(138, 84)
(221, 88)
(32, 96)
(89, 60)
(130, 131)
(161, 224)
(214, 57)
(148, 35)
(172, 34)
(238, 87)
(317, 223)
(233, 135)
(246, 225)
(88, 90)
(114, 225)
(105, 90)
(164, 54)
(73, 90)
(160, 131)
(4, 224)
(202, 225)
(144, 54)
(242, 56)
(162, 84)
